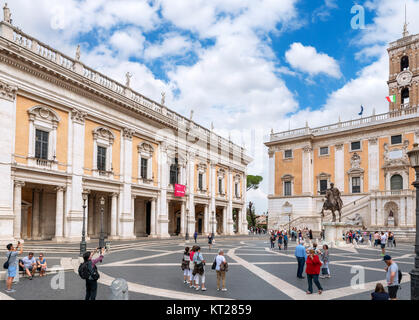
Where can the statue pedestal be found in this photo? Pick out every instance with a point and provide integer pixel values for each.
(390, 221)
(334, 232)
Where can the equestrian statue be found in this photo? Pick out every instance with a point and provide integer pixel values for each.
(333, 202)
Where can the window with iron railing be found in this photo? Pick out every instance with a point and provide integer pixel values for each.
(356, 185)
(41, 144)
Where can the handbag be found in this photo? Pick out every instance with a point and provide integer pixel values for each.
(214, 265)
(324, 271)
(6, 264)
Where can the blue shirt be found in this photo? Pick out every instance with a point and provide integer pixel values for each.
(300, 251)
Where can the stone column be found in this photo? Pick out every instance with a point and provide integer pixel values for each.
(206, 220)
(162, 225)
(7, 143)
(191, 199)
(90, 215)
(339, 167)
(271, 172)
(17, 224)
(114, 215)
(183, 219)
(212, 193)
(225, 220)
(153, 218)
(373, 165)
(307, 170)
(36, 213)
(243, 216)
(59, 214)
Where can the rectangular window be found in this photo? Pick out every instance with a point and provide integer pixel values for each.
(356, 145)
(236, 190)
(144, 168)
(41, 144)
(287, 188)
(323, 186)
(324, 151)
(356, 185)
(220, 186)
(200, 181)
(287, 154)
(396, 139)
(101, 158)
(174, 172)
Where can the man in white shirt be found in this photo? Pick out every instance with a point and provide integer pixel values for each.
(221, 270)
(383, 239)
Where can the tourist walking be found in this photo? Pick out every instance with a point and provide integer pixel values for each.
(186, 259)
(221, 268)
(383, 240)
(313, 271)
(199, 269)
(272, 240)
(285, 241)
(10, 264)
(209, 241)
(376, 239)
(279, 240)
(324, 257)
(301, 255)
(379, 293)
(88, 271)
(191, 268)
(195, 236)
(392, 277)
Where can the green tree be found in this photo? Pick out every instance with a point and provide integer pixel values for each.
(253, 182)
(251, 216)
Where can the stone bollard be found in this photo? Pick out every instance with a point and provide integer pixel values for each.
(119, 288)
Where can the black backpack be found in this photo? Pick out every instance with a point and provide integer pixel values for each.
(85, 273)
(400, 276)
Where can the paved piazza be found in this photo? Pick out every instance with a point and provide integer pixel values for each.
(152, 270)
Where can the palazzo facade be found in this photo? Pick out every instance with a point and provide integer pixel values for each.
(365, 158)
(66, 129)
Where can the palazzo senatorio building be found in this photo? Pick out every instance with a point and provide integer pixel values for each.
(365, 158)
(66, 129)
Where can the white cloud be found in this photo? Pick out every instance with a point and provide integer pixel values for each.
(307, 59)
(171, 45)
(128, 42)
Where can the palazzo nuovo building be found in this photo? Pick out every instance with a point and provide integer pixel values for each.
(68, 130)
(365, 158)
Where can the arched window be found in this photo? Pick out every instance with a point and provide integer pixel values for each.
(405, 96)
(396, 182)
(404, 63)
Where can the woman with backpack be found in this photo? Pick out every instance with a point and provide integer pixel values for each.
(221, 267)
(191, 267)
(186, 259)
(199, 269)
(88, 271)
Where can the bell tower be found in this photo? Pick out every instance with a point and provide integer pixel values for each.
(404, 71)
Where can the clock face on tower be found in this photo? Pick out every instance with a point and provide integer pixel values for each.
(404, 77)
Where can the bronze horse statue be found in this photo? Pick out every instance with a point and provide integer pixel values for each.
(332, 203)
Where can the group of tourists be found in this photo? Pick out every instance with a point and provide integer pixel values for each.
(257, 230)
(281, 236)
(193, 267)
(384, 238)
(28, 264)
(316, 261)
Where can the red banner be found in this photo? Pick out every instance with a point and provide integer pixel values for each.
(180, 190)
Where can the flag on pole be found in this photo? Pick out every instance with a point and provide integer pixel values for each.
(391, 98)
(362, 111)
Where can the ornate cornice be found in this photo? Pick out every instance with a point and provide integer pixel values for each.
(339, 146)
(7, 91)
(373, 141)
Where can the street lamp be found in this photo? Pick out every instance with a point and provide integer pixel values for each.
(102, 234)
(83, 244)
(187, 225)
(414, 274)
(289, 224)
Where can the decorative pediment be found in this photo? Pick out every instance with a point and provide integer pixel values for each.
(103, 133)
(145, 147)
(287, 177)
(202, 166)
(323, 176)
(43, 113)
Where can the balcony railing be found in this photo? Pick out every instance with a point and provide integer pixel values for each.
(44, 163)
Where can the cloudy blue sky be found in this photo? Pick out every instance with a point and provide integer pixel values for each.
(246, 65)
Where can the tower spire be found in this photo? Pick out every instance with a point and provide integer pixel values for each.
(405, 32)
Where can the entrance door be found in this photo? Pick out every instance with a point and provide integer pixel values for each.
(200, 225)
(148, 218)
(177, 225)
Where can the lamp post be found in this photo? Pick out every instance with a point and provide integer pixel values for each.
(187, 225)
(414, 274)
(102, 234)
(83, 244)
(289, 223)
